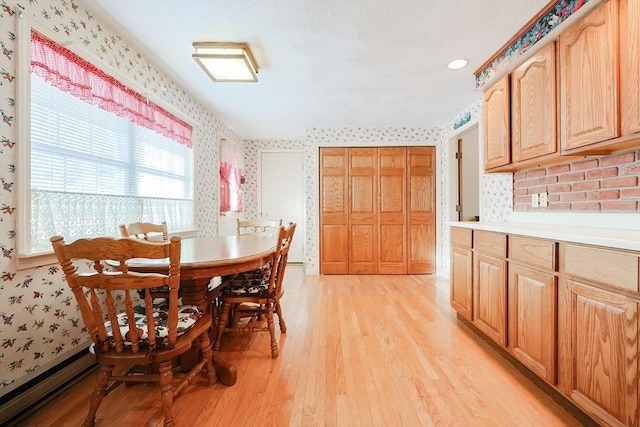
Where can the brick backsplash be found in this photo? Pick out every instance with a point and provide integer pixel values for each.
(605, 183)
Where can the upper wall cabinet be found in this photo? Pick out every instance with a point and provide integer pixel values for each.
(497, 131)
(589, 79)
(533, 106)
(630, 66)
(577, 95)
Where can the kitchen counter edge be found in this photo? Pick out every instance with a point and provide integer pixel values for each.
(628, 239)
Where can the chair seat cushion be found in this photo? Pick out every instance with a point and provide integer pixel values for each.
(253, 282)
(188, 315)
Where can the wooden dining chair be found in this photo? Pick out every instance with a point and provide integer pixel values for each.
(257, 225)
(117, 320)
(145, 231)
(252, 294)
(149, 232)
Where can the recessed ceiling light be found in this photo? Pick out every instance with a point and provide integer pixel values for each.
(457, 63)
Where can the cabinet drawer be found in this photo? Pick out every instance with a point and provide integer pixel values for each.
(613, 268)
(533, 252)
(490, 243)
(461, 237)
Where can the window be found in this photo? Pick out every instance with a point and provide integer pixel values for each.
(100, 153)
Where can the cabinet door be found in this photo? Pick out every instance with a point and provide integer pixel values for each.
(497, 130)
(334, 234)
(630, 66)
(392, 244)
(462, 281)
(532, 320)
(589, 79)
(490, 296)
(421, 211)
(601, 352)
(363, 210)
(533, 106)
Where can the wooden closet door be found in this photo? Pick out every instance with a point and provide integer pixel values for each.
(392, 244)
(363, 210)
(421, 214)
(334, 216)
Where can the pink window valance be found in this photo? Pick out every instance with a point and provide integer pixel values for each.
(72, 74)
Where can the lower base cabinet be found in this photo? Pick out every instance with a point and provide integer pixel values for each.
(490, 296)
(532, 320)
(462, 282)
(568, 312)
(601, 352)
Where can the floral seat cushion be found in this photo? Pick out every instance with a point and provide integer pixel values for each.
(187, 317)
(248, 283)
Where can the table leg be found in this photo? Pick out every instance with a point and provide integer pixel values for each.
(225, 372)
(195, 292)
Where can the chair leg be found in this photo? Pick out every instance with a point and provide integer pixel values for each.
(166, 387)
(283, 325)
(272, 330)
(98, 394)
(222, 323)
(207, 353)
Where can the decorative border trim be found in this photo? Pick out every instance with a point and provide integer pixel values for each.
(541, 25)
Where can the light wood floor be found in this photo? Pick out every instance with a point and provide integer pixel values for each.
(359, 351)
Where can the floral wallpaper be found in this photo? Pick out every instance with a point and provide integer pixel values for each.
(40, 324)
(496, 189)
(556, 14)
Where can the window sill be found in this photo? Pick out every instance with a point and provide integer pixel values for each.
(41, 259)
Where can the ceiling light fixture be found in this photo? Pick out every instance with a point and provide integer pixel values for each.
(226, 62)
(457, 64)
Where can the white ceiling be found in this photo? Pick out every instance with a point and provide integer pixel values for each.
(325, 63)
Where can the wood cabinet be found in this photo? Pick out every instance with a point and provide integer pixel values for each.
(600, 352)
(569, 312)
(532, 304)
(497, 124)
(630, 66)
(589, 79)
(599, 312)
(377, 210)
(533, 106)
(595, 72)
(490, 285)
(461, 297)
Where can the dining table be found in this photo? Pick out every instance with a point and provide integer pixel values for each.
(201, 260)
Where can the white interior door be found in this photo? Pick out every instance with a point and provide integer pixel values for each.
(282, 194)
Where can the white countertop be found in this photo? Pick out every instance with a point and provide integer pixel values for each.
(610, 237)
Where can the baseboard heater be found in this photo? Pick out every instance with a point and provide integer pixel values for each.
(18, 404)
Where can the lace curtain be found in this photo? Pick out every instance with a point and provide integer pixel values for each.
(81, 215)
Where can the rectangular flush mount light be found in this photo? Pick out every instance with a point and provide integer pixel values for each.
(226, 62)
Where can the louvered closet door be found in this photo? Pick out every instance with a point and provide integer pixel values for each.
(392, 245)
(334, 199)
(421, 214)
(363, 210)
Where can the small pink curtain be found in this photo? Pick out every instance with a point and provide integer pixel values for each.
(72, 74)
(231, 163)
(226, 170)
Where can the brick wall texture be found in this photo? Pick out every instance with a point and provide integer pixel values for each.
(605, 183)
